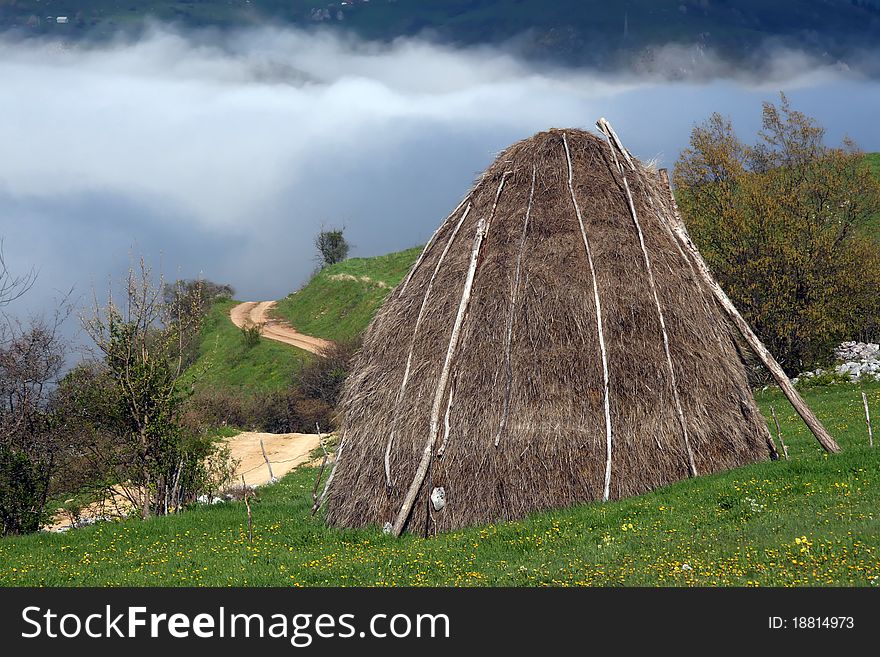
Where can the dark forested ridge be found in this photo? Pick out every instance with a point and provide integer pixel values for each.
(595, 32)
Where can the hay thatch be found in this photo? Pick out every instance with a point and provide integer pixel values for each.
(551, 322)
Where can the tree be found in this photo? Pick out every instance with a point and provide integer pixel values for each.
(332, 246)
(32, 440)
(13, 287)
(780, 224)
(154, 460)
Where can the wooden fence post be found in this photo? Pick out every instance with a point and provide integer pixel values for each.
(272, 478)
(868, 420)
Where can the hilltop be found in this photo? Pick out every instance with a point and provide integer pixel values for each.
(340, 300)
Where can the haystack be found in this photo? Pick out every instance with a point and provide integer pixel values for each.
(554, 344)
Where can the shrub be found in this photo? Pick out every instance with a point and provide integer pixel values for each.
(250, 335)
(323, 377)
(23, 488)
(332, 246)
(779, 223)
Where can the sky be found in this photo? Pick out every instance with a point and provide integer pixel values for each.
(222, 156)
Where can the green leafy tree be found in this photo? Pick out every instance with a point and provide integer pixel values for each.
(780, 224)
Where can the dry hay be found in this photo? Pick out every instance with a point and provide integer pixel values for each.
(553, 345)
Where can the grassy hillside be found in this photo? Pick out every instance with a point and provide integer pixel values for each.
(225, 362)
(809, 521)
(338, 303)
(874, 162)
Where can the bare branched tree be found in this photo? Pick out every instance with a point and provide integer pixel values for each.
(32, 442)
(13, 287)
(143, 341)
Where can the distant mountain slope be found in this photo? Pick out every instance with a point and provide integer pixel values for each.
(578, 31)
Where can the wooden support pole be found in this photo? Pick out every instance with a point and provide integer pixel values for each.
(323, 465)
(323, 495)
(779, 433)
(272, 478)
(680, 231)
(412, 345)
(422, 469)
(600, 330)
(614, 142)
(868, 420)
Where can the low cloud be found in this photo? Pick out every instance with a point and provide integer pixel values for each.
(223, 155)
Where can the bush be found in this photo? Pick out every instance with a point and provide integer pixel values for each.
(23, 488)
(332, 246)
(287, 411)
(209, 408)
(780, 225)
(250, 335)
(323, 377)
(290, 412)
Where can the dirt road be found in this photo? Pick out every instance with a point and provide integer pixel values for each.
(255, 313)
(285, 451)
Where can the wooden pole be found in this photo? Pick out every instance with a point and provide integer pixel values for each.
(605, 127)
(434, 425)
(272, 478)
(600, 330)
(868, 420)
(247, 504)
(779, 433)
(412, 344)
(329, 481)
(828, 443)
(323, 465)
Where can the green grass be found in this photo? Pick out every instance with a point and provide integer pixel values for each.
(225, 362)
(812, 520)
(340, 300)
(874, 223)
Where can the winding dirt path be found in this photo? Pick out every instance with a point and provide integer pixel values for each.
(255, 313)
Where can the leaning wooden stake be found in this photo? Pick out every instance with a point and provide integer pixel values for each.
(422, 470)
(272, 478)
(828, 443)
(868, 420)
(412, 345)
(323, 495)
(779, 433)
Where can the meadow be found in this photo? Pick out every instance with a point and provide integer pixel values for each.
(811, 520)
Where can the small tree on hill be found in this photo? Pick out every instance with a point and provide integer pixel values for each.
(332, 246)
(780, 224)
